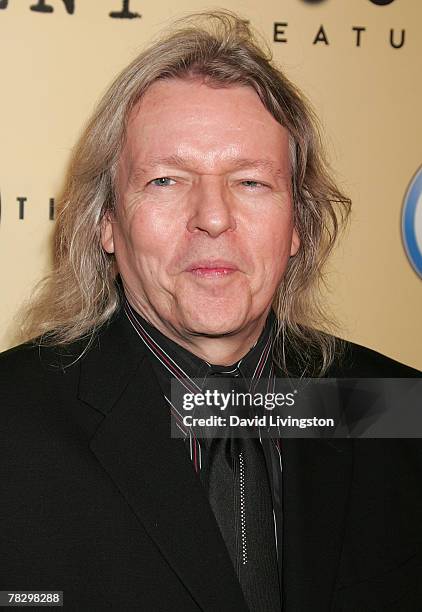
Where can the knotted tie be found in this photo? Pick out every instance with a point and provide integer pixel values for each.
(236, 478)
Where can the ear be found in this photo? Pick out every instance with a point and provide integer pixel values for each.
(295, 244)
(107, 238)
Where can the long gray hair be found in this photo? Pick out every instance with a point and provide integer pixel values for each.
(81, 293)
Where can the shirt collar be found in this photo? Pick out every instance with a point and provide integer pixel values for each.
(172, 360)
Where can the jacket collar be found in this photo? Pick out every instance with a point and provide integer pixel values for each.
(155, 475)
(153, 471)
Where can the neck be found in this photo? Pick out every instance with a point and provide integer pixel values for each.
(225, 349)
(222, 350)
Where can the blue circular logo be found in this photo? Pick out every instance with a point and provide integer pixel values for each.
(412, 222)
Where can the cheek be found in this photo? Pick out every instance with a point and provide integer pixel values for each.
(271, 236)
(147, 244)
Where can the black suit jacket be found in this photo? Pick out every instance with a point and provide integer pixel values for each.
(98, 501)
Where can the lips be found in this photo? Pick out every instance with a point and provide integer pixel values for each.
(216, 267)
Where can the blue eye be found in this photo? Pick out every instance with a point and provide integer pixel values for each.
(162, 181)
(252, 183)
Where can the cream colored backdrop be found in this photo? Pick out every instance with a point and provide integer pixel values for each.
(55, 65)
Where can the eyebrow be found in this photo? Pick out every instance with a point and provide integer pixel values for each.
(181, 162)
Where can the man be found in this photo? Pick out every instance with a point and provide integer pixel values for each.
(196, 218)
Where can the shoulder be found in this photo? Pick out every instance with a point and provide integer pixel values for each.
(357, 361)
(43, 358)
(36, 358)
(34, 376)
(25, 361)
(305, 357)
(35, 367)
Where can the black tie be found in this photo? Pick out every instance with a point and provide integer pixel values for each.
(236, 477)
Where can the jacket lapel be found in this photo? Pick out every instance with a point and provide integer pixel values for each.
(317, 477)
(155, 475)
(153, 471)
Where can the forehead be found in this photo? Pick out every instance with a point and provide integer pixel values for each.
(188, 114)
(211, 125)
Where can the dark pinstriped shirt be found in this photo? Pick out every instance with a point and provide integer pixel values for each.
(171, 361)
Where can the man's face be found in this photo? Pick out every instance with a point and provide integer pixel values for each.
(203, 228)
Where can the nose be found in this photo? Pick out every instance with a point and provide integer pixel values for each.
(211, 210)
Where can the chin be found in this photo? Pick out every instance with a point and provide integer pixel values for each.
(213, 320)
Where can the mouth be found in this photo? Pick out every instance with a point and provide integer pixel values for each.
(212, 269)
